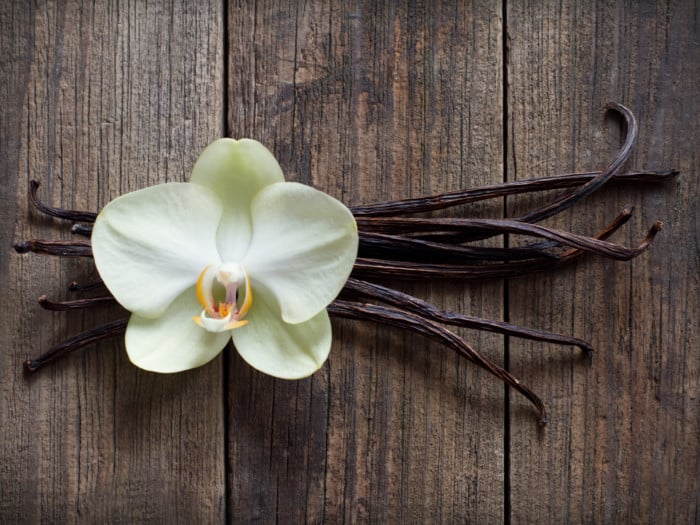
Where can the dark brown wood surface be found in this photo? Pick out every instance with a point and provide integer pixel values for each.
(622, 443)
(98, 100)
(366, 101)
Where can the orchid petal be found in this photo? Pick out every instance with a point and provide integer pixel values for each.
(173, 342)
(236, 170)
(303, 248)
(151, 245)
(287, 351)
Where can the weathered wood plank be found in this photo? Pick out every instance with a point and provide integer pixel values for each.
(367, 101)
(99, 99)
(622, 442)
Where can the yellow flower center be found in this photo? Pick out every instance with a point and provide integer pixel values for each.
(218, 292)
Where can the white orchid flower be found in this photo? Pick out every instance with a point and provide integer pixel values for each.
(235, 253)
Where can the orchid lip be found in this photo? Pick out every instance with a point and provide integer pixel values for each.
(227, 313)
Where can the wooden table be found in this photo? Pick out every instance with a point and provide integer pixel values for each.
(366, 101)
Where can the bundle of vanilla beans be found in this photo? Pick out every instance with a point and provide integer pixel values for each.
(393, 246)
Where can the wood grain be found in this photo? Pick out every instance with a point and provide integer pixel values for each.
(100, 99)
(622, 443)
(368, 101)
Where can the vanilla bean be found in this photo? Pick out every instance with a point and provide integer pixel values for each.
(408, 320)
(69, 215)
(77, 342)
(382, 268)
(456, 198)
(621, 219)
(59, 248)
(409, 225)
(379, 245)
(75, 304)
(471, 235)
(75, 286)
(413, 304)
(605, 233)
(569, 199)
(373, 268)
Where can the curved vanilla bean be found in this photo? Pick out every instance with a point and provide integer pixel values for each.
(569, 199)
(456, 198)
(60, 213)
(59, 248)
(408, 320)
(381, 245)
(75, 286)
(75, 304)
(77, 342)
(603, 234)
(413, 304)
(634, 252)
(412, 225)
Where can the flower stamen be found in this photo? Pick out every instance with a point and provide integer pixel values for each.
(226, 314)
